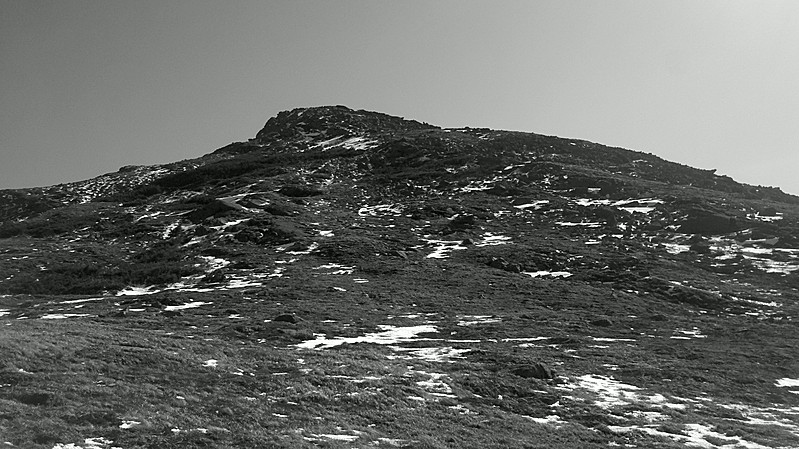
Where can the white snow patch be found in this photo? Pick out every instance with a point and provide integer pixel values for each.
(442, 354)
(395, 442)
(442, 248)
(136, 291)
(235, 283)
(435, 383)
(307, 251)
(61, 316)
(153, 215)
(359, 143)
(390, 335)
(380, 209)
(336, 269)
(787, 382)
(490, 239)
(477, 186)
(557, 274)
(471, 320)
(347, 438)
(643, 205)
(604, 339)
(188, 305)
(696, 434)
(128, 424)
(76, 301)
(88, 443)
(688, 334)
(354, 435)
(215, 263)
(587, 224)
(168, 230)
(535, 205)
(551, 419)
(229, 224)
(525, 339)
(612, 393)
(765, 218)
(676, 248)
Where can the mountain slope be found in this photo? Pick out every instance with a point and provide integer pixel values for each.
(349, 278)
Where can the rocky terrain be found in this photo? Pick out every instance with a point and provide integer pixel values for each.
(353, 279)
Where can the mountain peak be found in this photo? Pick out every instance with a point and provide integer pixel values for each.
(333, 121)
(505, 281)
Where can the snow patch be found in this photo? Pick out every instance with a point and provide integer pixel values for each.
(188, 305)
(380, 210)
(88, 443)
(442, 248)
(551, 419)
(471, 320)
(335, 269)
(787, 382)
(556, 274)
(129, 424)
(136, 291)
(610, 393)
(77, 301)
(434, 354)
(61, 316)
(535, 205)
(214, 263)
(390, 335)
(587, 224)
(490, 239)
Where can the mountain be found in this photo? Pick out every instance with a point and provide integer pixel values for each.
(354, 279)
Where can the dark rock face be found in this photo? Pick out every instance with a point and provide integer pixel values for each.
(701, 247)
(268, 231)
(602, 322)
(287, 318)
(536, 371)
(215, 208)
(706, 222)
(502, 264)
(334, 121)
(607, 214)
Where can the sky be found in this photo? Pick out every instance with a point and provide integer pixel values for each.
(87, 86)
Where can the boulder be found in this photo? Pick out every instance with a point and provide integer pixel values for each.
(287, 318)
(606, 213)
(536, 370)
(460, 223)
(300, 191)
(700, 221)
(602, 322)
(702, 247)
(214, 208)
(501, 264)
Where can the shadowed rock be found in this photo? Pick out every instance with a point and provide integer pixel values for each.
(535, 371)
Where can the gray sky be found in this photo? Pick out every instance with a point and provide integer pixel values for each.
(87, 86)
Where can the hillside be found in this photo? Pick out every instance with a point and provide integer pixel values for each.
(354, 279)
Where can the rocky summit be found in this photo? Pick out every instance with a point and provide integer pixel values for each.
(353, 279)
